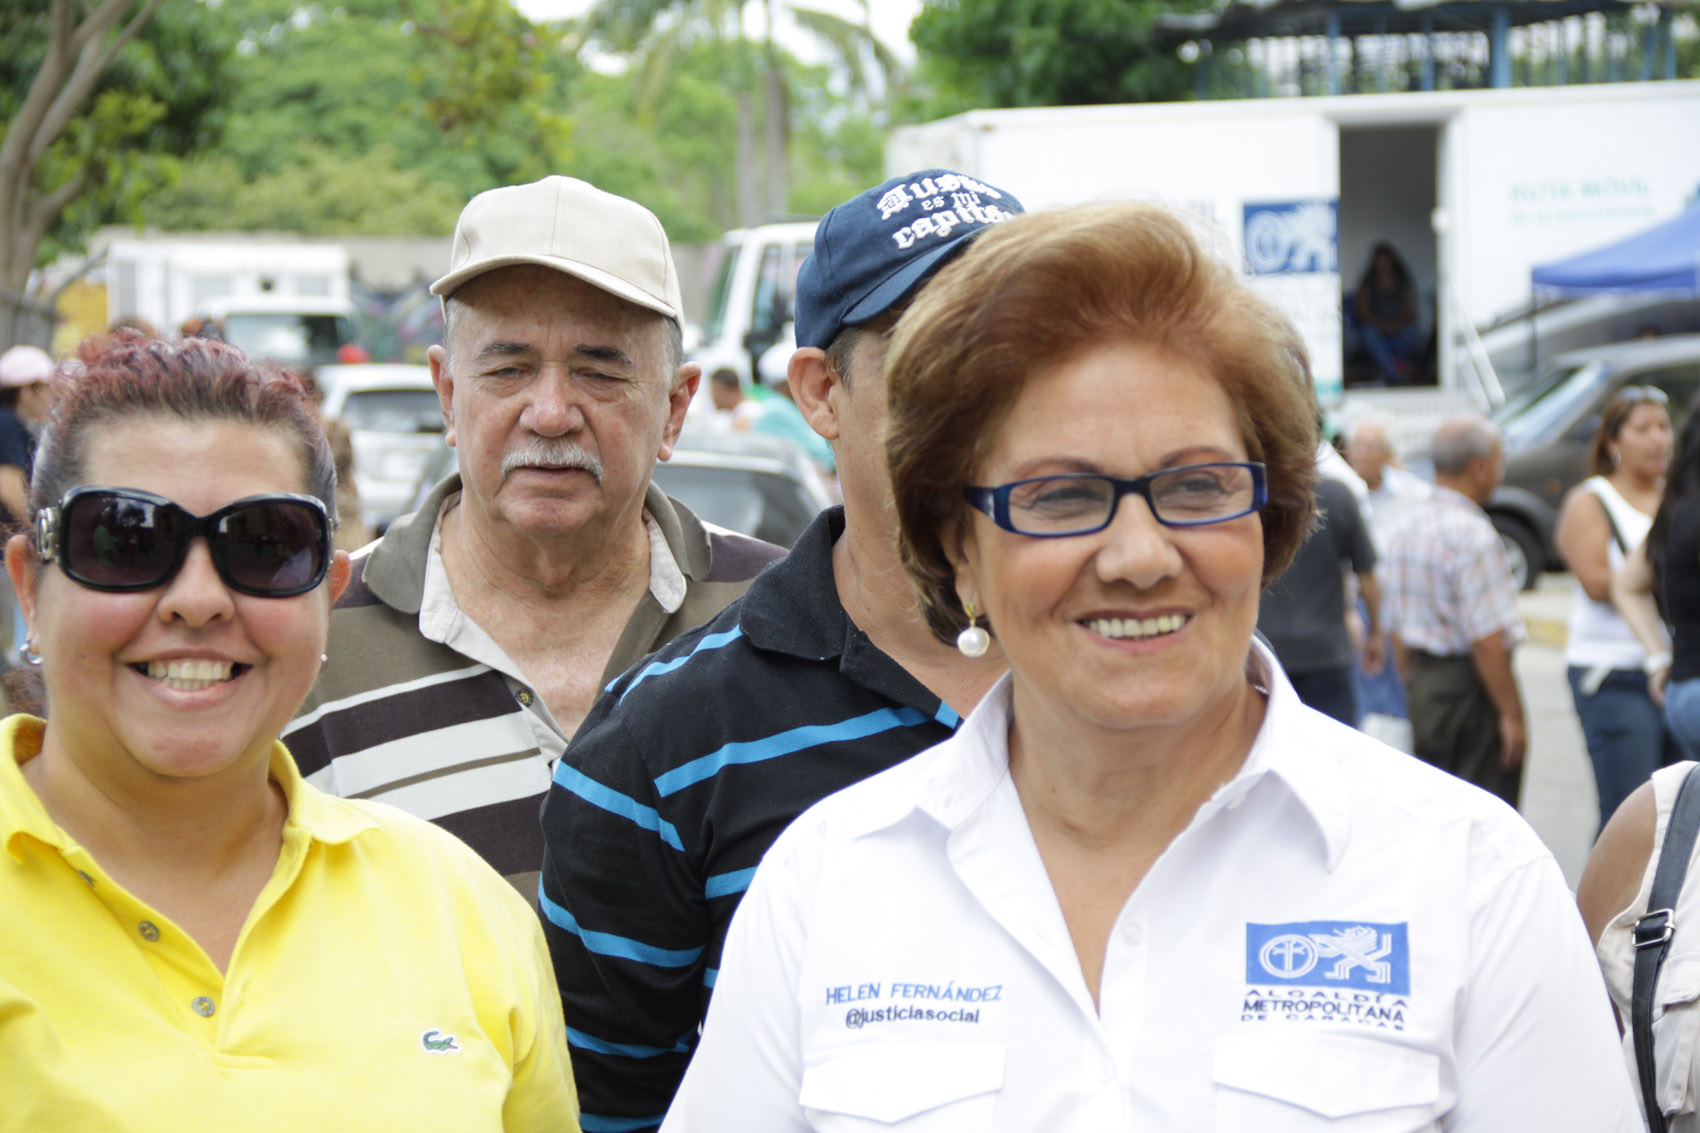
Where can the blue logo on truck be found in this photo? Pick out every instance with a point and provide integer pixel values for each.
(1292, 237)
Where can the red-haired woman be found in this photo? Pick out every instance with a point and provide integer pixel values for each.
(193, 937)
(1142, 886)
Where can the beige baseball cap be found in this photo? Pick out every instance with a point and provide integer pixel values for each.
(571, 226)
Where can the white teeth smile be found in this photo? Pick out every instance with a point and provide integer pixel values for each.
(189, 675)
(1122, 629)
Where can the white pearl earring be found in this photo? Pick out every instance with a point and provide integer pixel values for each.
(973, 641)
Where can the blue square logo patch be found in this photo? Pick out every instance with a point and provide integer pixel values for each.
(1333, 954)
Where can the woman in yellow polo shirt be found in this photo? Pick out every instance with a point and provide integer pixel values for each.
(192, 937)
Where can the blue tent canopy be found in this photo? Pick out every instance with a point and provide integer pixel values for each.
(1663, 258)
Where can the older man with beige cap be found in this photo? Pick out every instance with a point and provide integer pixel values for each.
(477, 632)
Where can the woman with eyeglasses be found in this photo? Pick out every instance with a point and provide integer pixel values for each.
(192, 937)
(1143, 886)
(1601, 521)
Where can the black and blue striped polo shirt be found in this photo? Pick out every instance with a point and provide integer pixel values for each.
(683, 774)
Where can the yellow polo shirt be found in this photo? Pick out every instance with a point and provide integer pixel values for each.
(386, 978)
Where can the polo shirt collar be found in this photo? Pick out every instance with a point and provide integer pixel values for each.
(792, 607)
(20, 811)
(395, 567)
(321, 817)
(1296, 749)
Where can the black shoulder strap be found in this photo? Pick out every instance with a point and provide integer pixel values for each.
(1653, 934)
(1611, 521)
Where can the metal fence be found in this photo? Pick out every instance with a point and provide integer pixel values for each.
(25, 320)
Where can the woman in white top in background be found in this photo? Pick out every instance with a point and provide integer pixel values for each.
(1602, 520)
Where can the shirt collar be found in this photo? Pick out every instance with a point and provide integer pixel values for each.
(1296, 749)
(440, 617)
(792, 607)
(395, 567)
(1454, 497)
(323, 818)
(20, 811)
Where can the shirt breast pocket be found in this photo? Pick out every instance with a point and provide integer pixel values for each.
(1676, 1033)
(912, 1086)
(1289, 1083)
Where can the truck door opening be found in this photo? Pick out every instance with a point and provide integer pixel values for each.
(1388, 193)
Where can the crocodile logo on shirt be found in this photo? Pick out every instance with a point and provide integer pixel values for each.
(435, 1042)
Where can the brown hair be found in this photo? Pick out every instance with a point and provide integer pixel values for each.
(126, 375)
(1612, 420)
(1043, 287)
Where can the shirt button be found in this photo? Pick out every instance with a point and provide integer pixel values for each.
(524, 697)
(149, 931)
(1133, 934)
(203, 1007)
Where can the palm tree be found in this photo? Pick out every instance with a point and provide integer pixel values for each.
(651, 32)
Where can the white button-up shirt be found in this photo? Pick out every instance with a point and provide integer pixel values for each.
(1343, 937)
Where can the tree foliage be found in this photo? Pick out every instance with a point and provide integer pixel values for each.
(349, 120)
(652, 35)
(982, 53)
(670, 148)
(369, 118)
(97, 100)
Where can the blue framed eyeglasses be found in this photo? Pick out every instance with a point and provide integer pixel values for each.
(1079, 503)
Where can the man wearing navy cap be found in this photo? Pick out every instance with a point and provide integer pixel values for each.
(824, 673)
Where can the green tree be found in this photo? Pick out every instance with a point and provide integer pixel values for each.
(320, 193)
(360, 117)
(668, 147)
(653, 33)
(99, 101)
(979, 53)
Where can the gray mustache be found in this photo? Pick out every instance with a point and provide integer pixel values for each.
(559, 453)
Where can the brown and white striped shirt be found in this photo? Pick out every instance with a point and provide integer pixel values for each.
(399, 717)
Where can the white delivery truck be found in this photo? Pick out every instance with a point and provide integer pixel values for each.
(169, 279)
(1472, 187)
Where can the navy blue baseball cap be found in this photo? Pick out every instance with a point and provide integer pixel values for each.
(874, 249)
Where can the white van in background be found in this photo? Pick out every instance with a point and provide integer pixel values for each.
(294, 330)
(750, 301)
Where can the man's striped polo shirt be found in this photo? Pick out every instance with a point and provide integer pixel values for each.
(412, 722)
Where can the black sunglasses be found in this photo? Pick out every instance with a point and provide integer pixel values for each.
(123, 539)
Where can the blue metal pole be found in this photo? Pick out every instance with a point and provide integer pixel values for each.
(1499, 49)
(1333, 34)
(1667, 37)
(1428, 50)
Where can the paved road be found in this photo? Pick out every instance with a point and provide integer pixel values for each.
(1558, 785)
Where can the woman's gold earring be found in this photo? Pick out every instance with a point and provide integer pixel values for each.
(973, 641)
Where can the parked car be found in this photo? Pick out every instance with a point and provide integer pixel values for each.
(396, 424)
(1547, 426)
(755, 485)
